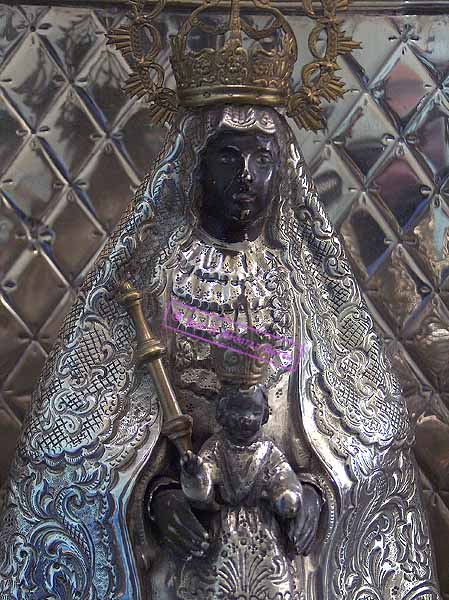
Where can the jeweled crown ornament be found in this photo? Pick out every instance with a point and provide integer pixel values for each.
(235, 71)
(242, 64)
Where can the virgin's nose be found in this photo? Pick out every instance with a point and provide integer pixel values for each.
(247, 175)
(246, 171)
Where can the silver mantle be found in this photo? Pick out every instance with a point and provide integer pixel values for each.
(95, 420)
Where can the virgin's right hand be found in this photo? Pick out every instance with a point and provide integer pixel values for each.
(178, 527)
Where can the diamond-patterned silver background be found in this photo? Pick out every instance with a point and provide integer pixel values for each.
(73, 147)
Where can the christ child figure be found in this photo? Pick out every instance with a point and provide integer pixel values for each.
(253, 496)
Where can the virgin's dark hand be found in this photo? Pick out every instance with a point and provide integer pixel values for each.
(178, 527)
(303, 529)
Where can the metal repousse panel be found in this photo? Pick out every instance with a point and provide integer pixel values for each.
(73, 147)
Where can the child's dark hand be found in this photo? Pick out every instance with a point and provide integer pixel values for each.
(191, 463)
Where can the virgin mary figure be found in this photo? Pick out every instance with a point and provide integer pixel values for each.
(226, 231)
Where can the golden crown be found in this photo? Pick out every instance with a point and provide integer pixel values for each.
(240, 360)
(246, 65)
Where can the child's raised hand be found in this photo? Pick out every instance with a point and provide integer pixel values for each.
(191, 463)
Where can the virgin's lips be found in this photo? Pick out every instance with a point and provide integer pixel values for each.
(245, 198)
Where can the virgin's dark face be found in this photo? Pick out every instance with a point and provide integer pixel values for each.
(238, 174)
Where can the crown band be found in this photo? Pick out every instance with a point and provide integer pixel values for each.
(237, 94)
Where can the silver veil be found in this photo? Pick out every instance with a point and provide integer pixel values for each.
(95, 420)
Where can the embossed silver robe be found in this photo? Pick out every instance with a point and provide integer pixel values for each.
(248, 556)
(94, 420)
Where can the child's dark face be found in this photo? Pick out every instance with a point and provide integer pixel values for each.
(243, 417)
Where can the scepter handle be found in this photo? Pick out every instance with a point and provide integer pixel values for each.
(149, 352)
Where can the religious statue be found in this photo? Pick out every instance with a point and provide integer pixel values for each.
(225, 237)
(243, 477)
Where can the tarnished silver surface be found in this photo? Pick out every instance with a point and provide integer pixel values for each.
(72, 147)
(93, 425)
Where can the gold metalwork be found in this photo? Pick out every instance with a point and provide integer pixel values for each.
(241, 70)
(319, 79)
(147, 78)
(149, 352)
(256, 71)
(240, 361)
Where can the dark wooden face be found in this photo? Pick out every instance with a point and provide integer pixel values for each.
(242, 415)
(238, 176)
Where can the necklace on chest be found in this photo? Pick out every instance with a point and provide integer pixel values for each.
(211, 279)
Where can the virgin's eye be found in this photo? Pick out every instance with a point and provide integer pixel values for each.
(228, 158)
(264, 159)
